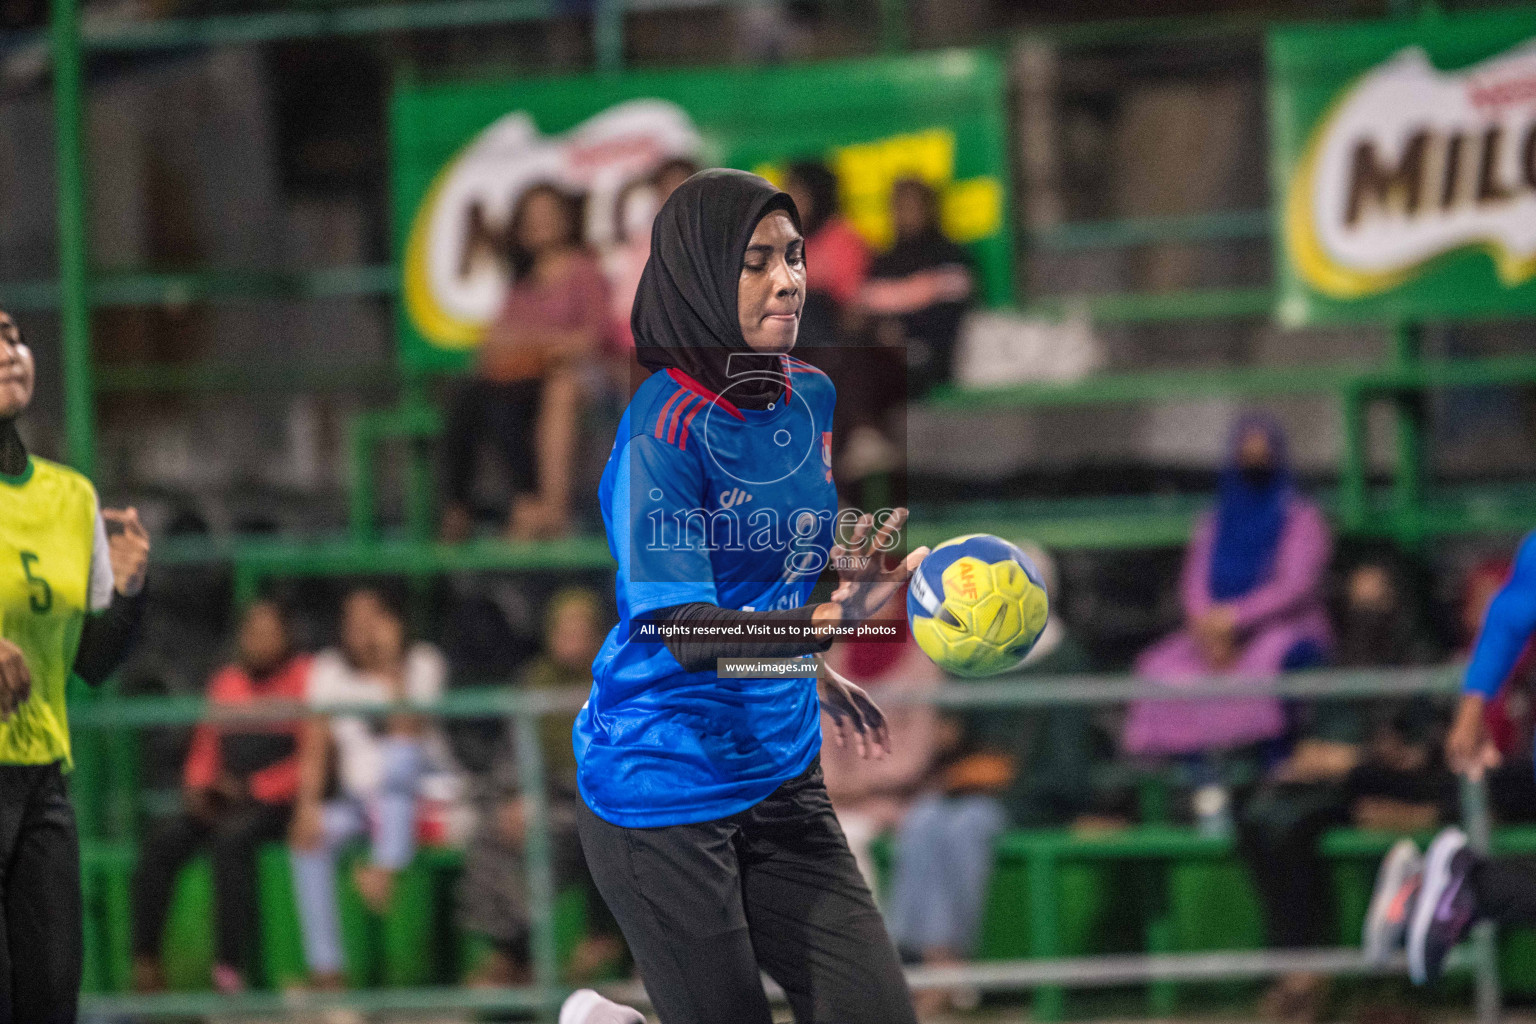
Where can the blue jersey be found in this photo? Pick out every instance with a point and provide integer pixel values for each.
(703, 501)
(1510, 621)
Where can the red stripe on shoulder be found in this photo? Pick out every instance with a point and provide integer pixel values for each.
(661, 419)
(683, 441)
(677, 413)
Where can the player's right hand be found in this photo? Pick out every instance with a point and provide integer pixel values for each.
(864, 581)
(15, 679)
(1468, 750)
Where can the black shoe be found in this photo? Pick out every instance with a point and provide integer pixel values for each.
(1445, 907)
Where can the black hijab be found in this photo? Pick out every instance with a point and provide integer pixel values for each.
(685, 313)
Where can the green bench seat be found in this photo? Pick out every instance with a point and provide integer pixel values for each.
(414, 944)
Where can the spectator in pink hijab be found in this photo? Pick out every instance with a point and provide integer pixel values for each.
(1253, 591)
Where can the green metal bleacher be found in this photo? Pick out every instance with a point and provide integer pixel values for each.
(1154, 888)
(1053, 891)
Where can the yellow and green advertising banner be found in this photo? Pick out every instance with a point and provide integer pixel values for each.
(463, 153)
(1403, 158)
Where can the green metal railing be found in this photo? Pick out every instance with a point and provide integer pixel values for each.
(1047, 977)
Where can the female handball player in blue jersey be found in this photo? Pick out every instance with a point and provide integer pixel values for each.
(1428, 903)
(704, 818)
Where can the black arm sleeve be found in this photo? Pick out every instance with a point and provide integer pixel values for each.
(106, 637)
(697, 655)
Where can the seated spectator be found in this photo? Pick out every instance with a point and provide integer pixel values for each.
(985, 768)
(238, 787)
(917, 292)
(870, 381)
(525, 393)
(493, 891)
(1378, 769)
(634, 210)
(379, 764)
(1253, 598)
(871, 797)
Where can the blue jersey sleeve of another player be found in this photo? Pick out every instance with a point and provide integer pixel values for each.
(1508, 626)
(660, 547)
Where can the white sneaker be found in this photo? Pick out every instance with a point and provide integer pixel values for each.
(585, 1006)
(1397, 883)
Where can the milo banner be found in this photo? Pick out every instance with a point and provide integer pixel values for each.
(463, 153)
(1404, 166)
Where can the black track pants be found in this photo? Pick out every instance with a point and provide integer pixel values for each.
(705, 907)
(42, 948)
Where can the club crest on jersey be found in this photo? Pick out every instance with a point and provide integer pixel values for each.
(733, 497)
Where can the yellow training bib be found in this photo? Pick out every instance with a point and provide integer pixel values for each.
(47, 530)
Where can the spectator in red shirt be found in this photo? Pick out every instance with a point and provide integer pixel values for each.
(239, 785)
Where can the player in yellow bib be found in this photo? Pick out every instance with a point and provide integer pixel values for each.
(71, 581)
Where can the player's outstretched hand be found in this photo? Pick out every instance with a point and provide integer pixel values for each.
(1468, 749)
(855, 717)
(15, 679)
(128, 545)
(864, 581)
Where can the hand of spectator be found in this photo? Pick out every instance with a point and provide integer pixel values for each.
(855, 717)
(201, 803)
(230, 788)
(1383, 814)
(512, 820)
(1468, 750)
(1216, 635)
(375, 884)
(128, 547)
(15, 679)
(1218, 622)
(983, 772)
(306, 831)
(1318, 761)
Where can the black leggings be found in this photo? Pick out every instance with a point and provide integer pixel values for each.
(503, 415)
(41, 948)
(1506, 890)
(1277, 835)
(234, 836)
(705, 906)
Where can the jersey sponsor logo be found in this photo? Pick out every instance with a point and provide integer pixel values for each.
(733, 497)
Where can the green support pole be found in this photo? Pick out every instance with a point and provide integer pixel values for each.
(608, 35)
(362, 516)
(541, 876)
(1352, 473)
(894, 36)
(74, 284)
(1475, 817)
(1409, 497)
(1050, 1001)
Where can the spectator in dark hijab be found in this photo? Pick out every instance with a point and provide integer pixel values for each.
(918, 291)
(1254, 603)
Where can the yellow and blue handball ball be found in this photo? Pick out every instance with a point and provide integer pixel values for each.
(977, 605)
